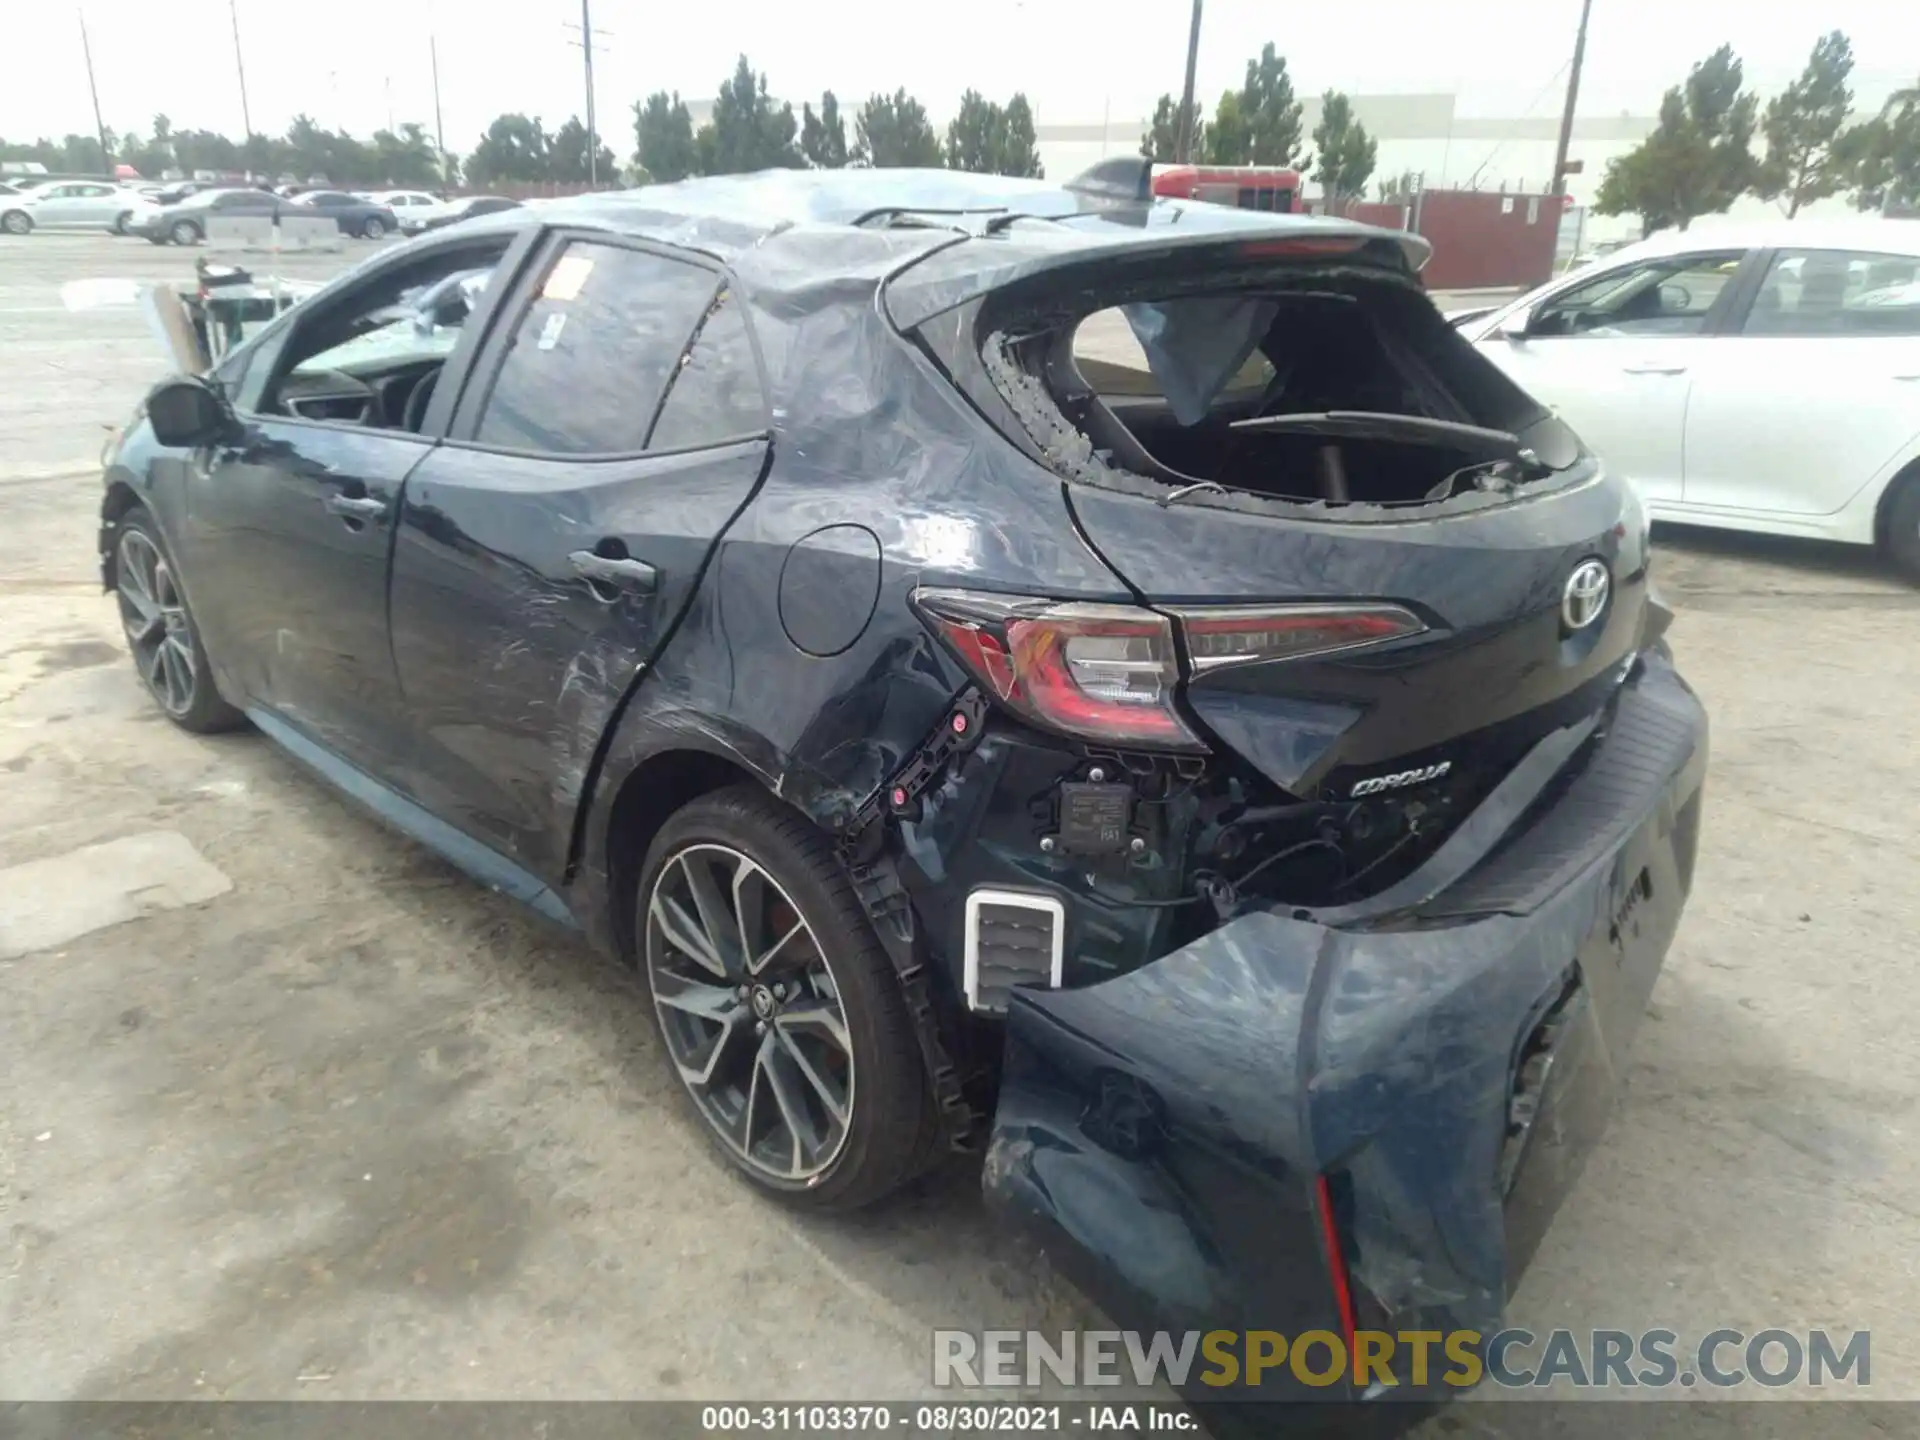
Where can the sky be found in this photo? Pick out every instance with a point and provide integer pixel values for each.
(356, 64)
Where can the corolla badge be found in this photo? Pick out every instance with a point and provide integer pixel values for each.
(1586, 595)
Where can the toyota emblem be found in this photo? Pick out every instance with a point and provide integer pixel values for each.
(1586, 595)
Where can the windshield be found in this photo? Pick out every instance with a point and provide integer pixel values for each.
(424, 325)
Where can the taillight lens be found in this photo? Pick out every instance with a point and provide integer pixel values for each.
(1248, 635)
(1100, 672)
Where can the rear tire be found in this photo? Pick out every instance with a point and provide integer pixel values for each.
(120, 224)
(184, 232)
(167, 652)
(819, 1097)
(1901, 537)
(374, 229)
(17, 222)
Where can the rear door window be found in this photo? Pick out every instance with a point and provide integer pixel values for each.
(592, 355)
(716, 395)
(1831, 294)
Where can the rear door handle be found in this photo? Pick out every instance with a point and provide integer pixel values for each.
(1654, 369)
(355, 507)
(1914, 376)
(632, 574)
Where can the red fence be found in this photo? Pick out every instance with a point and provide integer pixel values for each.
(1481, 240)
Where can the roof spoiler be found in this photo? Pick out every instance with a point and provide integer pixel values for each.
(1124, 177)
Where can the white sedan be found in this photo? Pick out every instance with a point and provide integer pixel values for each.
(1759, 378)
(73, 205)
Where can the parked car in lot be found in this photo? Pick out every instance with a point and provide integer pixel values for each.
(370, 220)
(1754, 377)
(74, 205)
(420, 219)
(186, 223)
(1250, 802)
(405, 202)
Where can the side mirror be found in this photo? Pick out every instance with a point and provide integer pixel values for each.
(186, 414)
(1516, 327)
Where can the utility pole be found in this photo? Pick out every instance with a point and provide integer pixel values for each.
(240, 69)
(99, 125)
(587, 33)
(439, 130)
(1183, 145)
(1573, 99)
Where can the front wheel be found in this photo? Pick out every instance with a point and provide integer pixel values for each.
(779, 1010)
(167, 653)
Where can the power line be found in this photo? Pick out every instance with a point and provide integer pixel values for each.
(1183, 144)
(99, 125)
(240, 68)
(585, 42)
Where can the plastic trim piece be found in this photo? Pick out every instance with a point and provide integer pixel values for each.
(1013, 900)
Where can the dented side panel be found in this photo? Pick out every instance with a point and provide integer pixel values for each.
(513, 663)
(801, 659)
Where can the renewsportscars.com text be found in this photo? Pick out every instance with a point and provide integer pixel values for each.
(1513, 1359)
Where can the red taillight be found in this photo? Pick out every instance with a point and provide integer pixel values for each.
(1100, 672)
(1304, 246)
(1246, 635)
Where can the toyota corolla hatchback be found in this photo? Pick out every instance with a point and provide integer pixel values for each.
(1118, 686)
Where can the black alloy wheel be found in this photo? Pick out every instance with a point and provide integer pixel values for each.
(167, 653)
(779, 1010)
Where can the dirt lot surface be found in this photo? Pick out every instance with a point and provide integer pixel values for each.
(347, 1126)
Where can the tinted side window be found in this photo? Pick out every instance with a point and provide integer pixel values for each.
(1657, 297)
(590, 359)
(1837, 293)
(716, 395)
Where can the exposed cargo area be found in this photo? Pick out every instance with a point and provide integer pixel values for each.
(1334, 385)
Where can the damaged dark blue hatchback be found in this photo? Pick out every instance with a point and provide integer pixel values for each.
(1117, 685)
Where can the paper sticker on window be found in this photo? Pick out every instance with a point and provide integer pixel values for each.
(570, 272)
(550, 332)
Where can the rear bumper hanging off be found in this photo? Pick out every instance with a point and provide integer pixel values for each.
(1300, 1123)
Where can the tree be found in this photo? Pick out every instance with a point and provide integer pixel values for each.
(823, 137)
(406, 157)
(1347, 152)
(972, 139)
(567, 153)
(1229, 142)
(663, 134)
(1020, 141)
(515, 149)
(748, 131)
(1883, 155)
(893, 130)
(1161, 140)
(993, 140)
(1699, 158)
(1804, 161)
(1259, 124)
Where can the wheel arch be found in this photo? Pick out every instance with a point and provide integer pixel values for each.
(121, 497)
(1908, 474)
(644, 797)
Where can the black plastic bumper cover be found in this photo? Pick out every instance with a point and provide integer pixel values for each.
(1446, 1067)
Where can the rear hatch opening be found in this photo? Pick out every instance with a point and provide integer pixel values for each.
(1332, 386)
